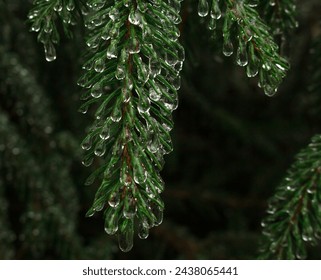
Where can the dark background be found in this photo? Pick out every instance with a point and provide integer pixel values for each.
(232, 146)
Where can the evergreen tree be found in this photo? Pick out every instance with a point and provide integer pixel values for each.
(132, 53)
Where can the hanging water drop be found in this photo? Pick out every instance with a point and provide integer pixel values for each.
(241, 55)
(227, 47)
(105, 132)
(100, 149)
(50, 51)
(134, 17)
(154, 95)
(120, 72)
(86, 143)
(111, 221)
(215, 10)
(116, 114)
(130, 208)
(112, 50)
(143, 231)
(96, 90)
(140, 173)
(126, 235)
(99, 65)
(114, 199)
(203, 8)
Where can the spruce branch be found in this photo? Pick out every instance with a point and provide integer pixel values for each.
(43, 19)
(132, 76)
(280, 15)
(257, 51)
(294, 212)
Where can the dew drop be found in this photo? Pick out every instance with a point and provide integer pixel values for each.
(143, 105)
(86, 143)
(96, 91)
(105, 132)
(87, 161)
(154, 94)
(99, 65)
(50, 51)
(143, 231)
(134, 17)
(228, 47)
(100, 149)
(114, 199)
(215, 10)
(111, 221)
(116, 114)
(130, 208)
(241, 55)
(112, 50)
(203, 8)
(140, 173)
(126, 235)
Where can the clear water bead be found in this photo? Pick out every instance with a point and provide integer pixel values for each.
(50, 51)
(203, 8)
(135, 17)
(111, 222)
(126, 235)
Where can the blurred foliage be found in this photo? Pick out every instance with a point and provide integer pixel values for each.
(232, 146)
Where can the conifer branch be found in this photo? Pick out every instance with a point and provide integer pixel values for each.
(43, 18)
(294, 214)
(280, 15)
(132, 76)
(257, 51)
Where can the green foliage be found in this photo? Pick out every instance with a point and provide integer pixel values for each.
(294, 211)
(256, 49)
(132, 76)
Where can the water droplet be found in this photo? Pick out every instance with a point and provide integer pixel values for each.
(143, 105)
(114, 199)
(99, 65)
(87, 161)
(227, 47)
(203, 8)
(130, 208)
(126, 235)
(140, 173)
(154, 67)
(158, 212)
(113, 14)
(96, 90)
(171, 58)
(70, 5)
(116, 114)
(112, 50)
(272, 3)
(120, 72)
(212, 24)
(105, 132)
(90, 213)
(100, 149)
(135, 17)
(134, 46)
(50, 51)
(143, 231)
(86, 143)
(154, 93)
(241, 55)
(36, 26)
(48, 26)
(215, 10)
(269, 90)
(111, 221)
